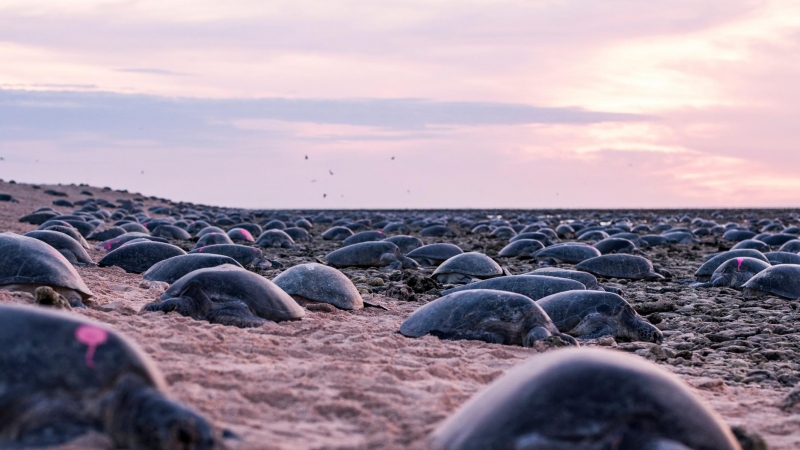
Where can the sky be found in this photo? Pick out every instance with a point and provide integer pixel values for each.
(407, 103)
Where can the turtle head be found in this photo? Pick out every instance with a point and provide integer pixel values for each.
(164, 424)
(535, 334)
(637, 328)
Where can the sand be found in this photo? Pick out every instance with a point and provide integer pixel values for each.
(348, 380)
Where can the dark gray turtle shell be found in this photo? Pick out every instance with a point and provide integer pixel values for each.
(522, 249)
(738, 235)
(368, 254)
(503, 233)
(243, 254)
(584, 278)
(487, 315)
(778, 239)
(104, 235)
(592, 314)
(30, 262)
(469, 264)
(233, 285)
(613, 245)
(117, 242)
(298, 234)
(364, 236)
(535, 235)
(240, 235)
(213, 238)
(38, 218)
(64, 376)
(620, 266)
(275, 224)
(137, 257)
(206, 230)
(531, 286)
(434, 254)
(595, 235)
(751, 244)
(171, 232)
(679, 236)
(567, 253)
(337, 234)
(585, 398)
(253, 228)
(782, 257)
(69, 231)
(274, 238)
(782, 280)
(704, 272)
(320, 283)
(395, 227)
(134, 227)
(654, 240)
(791, 246)
(437, 231)
(172, 269)
(736, 272)
(70, 248)
(405, 243)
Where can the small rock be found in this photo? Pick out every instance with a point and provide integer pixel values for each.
(709, 384)
(375, 281)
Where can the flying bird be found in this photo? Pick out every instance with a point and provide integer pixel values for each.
(324, 195)
(306, 156)
(392, 158)
(329, 170)
(313, 181)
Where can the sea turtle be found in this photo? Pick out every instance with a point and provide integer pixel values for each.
(614, 244)
(243, 254)
(705, 271)
(69, 231)
(65, 245)
(584, 278)
(434, 254)
(274, 224)
(679, 237)
(535, 235)
(782, 257)
(274, 238)
(316, 283)
(775, 240)
(735, 272)
(782, 280)
(197, 226)
(751, 244)
(39, 217)
(228, 295)
(653, 240)
(29, 263)
(106, 234)
(137, 257)
(791, 246)
(568, 252)
(171, 232)
(531, 286)
(466, 268)
(396, 227)
(370, 254)
(172, 269)
(207, 230)
(503, 233)
(565, 231)
(592, 314)
(304, 224)
(337, 233)
(240, 235)
(298, 234)
(134, 227)
(64, 376)
(117, 242)
(253, 228)
(213, 238)
(595, 235)
(585, 399)
(437, 231)
(738, 235)
(497, 317)
(522, 249)
(364, 236)
(631, 267)
(405, 243)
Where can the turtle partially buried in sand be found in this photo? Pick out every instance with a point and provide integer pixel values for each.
(585, 399)
(370, 254)
(593, 314)
(228, 295)
(467, 267)
(316, 283)
(64, 376)
(27, 264)
(735, 272)
(487, 315)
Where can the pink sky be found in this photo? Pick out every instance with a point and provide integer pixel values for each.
(481, 103)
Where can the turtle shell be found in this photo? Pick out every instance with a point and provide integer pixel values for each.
(782, 280)
(172, 269)
(571, 252)
(436, 252)
(137, 257)
(337, 234)
(320, 283)
(584, 278)
(405, 243)
(531, 286)
(226, 284)
(364, 254)
(243, 254)
(274, 238)
(523, 249)
(619, 266)
(30, 261)
(708, 268)
(67, 246)
(472, 264)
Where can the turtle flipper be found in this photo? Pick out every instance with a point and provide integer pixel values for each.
(594, 326)
(236, 314)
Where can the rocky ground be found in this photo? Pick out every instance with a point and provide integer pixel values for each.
(349, 380)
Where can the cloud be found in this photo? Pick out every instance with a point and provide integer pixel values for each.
(151, 71)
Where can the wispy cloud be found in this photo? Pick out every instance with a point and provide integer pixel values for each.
(152, 71)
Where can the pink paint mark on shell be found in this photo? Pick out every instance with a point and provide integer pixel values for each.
(739, 265)
(92, 337)
(247, 234)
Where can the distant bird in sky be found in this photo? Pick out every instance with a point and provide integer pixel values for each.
(408, 190)
(392, 158)
(2, 159)
(313, 181)
(324, 195)
(329, 170)
(143, 172)
(306, 156)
